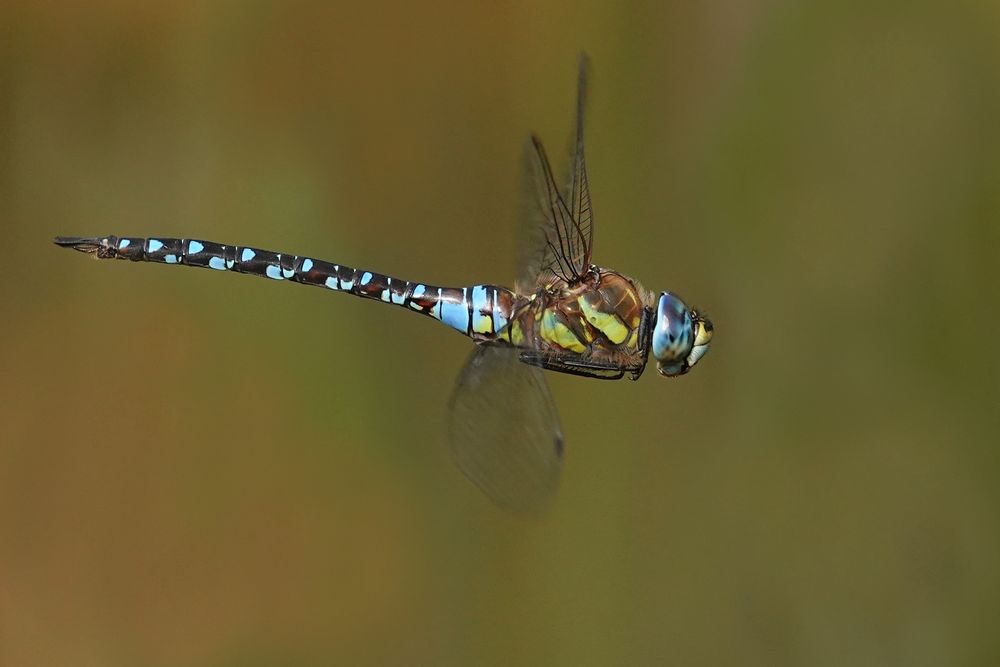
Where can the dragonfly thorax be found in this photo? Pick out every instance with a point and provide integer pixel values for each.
(594, 323)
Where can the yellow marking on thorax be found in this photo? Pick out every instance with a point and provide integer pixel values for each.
(633, 340)
(607, 323)
(516, 334)
(554, 331)
(482, 323)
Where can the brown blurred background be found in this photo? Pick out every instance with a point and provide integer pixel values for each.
(199, 469)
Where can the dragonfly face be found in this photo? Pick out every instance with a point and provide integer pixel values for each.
(680, 336)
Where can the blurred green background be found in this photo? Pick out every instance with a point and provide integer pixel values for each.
(199, 469)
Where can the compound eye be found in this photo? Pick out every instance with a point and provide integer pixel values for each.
(673, 335)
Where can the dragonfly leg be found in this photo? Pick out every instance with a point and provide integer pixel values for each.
(582, 367)
(645, 335)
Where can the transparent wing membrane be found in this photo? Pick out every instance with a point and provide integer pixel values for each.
(579, 188)
(504, 430)
(562, 237)
(559, 240)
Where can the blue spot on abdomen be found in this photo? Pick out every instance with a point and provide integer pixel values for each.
(456, 315)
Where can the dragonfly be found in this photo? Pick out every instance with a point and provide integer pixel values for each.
(564, 314)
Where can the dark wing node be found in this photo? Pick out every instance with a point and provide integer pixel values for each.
(559, 242)
(504, 431)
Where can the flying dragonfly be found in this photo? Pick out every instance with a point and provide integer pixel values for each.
(566, 314)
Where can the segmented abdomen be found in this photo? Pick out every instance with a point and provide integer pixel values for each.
(479, 311)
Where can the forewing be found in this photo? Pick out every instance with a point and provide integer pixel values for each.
(579, 187)
(504, 430)
(546, 245)
(558, 239)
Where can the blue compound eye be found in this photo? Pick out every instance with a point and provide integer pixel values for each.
(673, 335)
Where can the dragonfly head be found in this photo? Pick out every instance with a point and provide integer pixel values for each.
(680, 336)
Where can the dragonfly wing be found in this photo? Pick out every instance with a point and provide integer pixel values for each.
(504, 430)
(533, 253)
(546, 249)
(558, 240)
(578, 195)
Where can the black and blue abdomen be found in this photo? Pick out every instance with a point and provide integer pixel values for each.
(479, 311)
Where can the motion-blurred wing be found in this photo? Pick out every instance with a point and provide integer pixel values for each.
(559, 238)
(504, 430)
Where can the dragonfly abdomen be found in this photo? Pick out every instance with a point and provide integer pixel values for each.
(479, 311)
